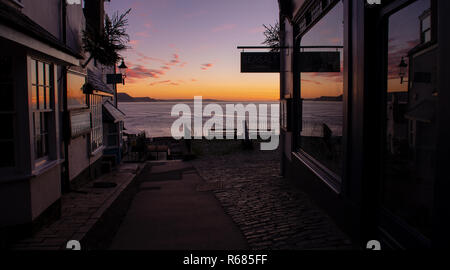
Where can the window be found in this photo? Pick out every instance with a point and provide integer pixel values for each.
(425, 26)
(80, 122)
(322, 97)
(76, 98)
(7, 112)
(96, 122)
(411, 128)
(112, 132)
(42, 107)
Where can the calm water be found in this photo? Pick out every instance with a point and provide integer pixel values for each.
(155, 117)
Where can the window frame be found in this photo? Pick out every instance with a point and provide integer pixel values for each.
(331, 179)
(48, 109)
(390, 225)
(96, 106)
(78, 107)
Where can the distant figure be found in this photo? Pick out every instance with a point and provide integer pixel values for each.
(327, 137)
(327, 133)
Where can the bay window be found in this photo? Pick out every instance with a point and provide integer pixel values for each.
(42, 106)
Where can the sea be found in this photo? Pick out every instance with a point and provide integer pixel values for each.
(154, 118)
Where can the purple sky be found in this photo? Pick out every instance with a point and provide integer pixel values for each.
(183, 48)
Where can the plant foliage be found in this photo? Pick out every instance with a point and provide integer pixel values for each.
(106, 45)
(272, 34)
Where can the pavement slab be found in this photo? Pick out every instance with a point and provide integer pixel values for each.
(171, 214)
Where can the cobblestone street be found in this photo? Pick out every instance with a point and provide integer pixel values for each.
(271, 212)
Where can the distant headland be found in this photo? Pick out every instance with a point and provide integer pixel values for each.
(327, 98)
(124, 97)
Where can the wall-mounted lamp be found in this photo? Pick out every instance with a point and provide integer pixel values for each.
(403, 69)
(123, 70)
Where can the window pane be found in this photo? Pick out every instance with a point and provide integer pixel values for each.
(41, 97)
(40, 73)
(80, 123)
(44, 139)
(427, 36)
(34, 104)
(47, 75)
(44, 120)
(322, 97)
(33, 71)
(75, 96)
(37, 123)
(411, 121)
(47, 98)
(426, 23)
(96, 122)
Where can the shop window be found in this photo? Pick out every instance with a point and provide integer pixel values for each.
(322, 97)
(7, 112)
(411, 127)
(80, 123)
(42, 107)
(76, 99)
(96, 105)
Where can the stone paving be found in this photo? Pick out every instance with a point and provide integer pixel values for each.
(272, 213)
(81, 210)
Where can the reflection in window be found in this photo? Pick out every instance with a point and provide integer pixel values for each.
(41, 103)
(75, 97)
(322, 97)
(96, 122)
(411, 117)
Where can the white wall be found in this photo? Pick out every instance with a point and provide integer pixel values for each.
(79, 156)
(45, 190)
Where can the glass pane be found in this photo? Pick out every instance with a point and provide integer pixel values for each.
(44, 139)
(80, 123)
(427, 36)
(7, 158)
(7, 121)
(47, 75)
(41, 95)
(33, 71)
(322, 96)
(40, 73)
(75, 96)
(44, 123)
(426, 23)
(37, 123)
(34, 104)
(47, 98)
(411, 121)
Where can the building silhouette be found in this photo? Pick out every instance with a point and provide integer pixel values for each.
(385, 177)
(61, 124)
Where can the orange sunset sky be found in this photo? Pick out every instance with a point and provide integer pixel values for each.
(180, 49)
